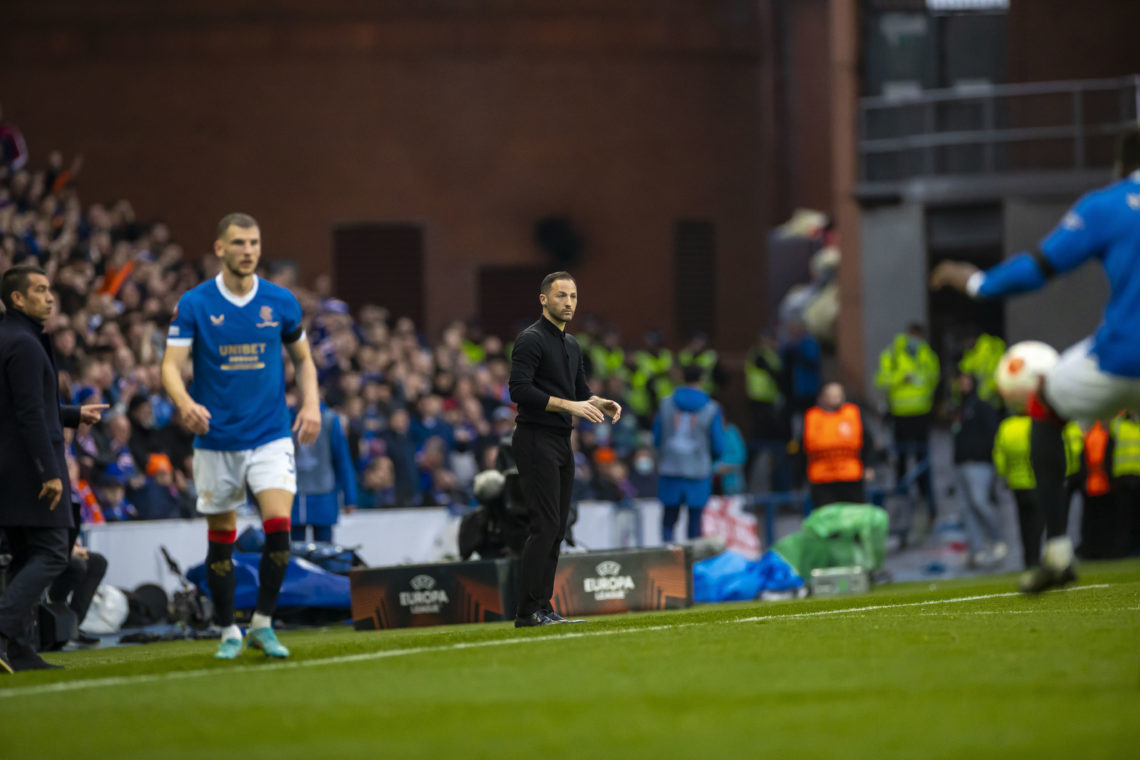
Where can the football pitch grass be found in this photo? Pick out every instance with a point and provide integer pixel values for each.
(955, 669)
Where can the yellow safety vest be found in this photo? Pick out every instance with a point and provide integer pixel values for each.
(909, 381)
(761, 385)
(1011, 453)
(607, 363)
(1126, 451)
(1074, 448)
(981, 361)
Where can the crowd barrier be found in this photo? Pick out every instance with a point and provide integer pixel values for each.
(587, 583)
(388, 537)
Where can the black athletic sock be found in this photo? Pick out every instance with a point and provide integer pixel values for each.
(1047, 455)
(220, 575)
(274, 561)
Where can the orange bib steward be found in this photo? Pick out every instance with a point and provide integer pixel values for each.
(833, 442)
(1096, 445)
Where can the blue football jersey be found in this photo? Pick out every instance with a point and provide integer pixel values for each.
(1105, 225)
(236, 345)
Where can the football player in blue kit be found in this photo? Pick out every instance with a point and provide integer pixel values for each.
(1099, 376)
(234, 328)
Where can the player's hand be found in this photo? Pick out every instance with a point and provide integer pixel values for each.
(586, 411)
(307, 425)
(196, 417)
(53, 490)
(79, 551)
(610, 408)
(952, 274)
(90, 414)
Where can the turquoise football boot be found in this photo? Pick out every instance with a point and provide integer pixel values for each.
(266, 640)
(229, 649)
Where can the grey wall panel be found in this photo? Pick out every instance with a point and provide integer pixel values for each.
(1067, 309)
(893, 247)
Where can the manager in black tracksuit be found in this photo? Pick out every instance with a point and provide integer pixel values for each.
(548, 382)
(35, 493)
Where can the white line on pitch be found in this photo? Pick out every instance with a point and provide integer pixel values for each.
(873, 607)
(100, 683)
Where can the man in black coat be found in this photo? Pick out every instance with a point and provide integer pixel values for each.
(35, 501)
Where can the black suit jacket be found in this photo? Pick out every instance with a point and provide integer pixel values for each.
(31, 427)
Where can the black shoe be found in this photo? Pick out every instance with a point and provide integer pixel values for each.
(35, 662)
(5, 666)
(1042, 578)
(554, 617)
(532, 620)
(84, 640)
(25, 658)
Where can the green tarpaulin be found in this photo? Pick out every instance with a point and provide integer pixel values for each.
(838, 535)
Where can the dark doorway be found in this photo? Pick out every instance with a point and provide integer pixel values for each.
(382, 264)
(694, 278)
(970, 233)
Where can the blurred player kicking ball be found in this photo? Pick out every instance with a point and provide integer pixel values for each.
(234, 327)
(1097, 377)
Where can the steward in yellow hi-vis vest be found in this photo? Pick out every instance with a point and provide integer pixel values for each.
(698, 351)
(908, 374)
(1011, 460)
(1114, 529)
(649, 376)
(981, 361)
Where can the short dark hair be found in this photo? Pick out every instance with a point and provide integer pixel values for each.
(691, 373)
(16, 280)
(1128, 151)
(236, 219)
(549, 280)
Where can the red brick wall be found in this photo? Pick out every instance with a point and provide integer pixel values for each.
(474, 120)
(1060, 39)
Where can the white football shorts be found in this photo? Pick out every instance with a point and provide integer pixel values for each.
(1077, 389)
(221, 477)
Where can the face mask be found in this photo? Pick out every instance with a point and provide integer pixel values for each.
(644, 465)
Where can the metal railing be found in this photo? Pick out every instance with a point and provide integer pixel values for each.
(993, 129)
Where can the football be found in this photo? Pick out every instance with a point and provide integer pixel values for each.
(1020, 370)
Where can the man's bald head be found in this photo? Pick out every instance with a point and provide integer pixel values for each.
(831, 397)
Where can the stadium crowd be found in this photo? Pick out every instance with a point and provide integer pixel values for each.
(421, 418)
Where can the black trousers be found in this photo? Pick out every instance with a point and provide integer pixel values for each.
(39, 555)
(912, 436)
(546, 476)
(81, 579)
(1031, 524)
(851, 491)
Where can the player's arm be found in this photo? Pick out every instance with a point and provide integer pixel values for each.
(1074, 241)
(196, 416)
(308, 424)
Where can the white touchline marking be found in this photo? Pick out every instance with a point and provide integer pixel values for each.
(100, 683)
(873, 607)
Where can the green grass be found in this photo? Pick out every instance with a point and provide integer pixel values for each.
(1003, 676)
